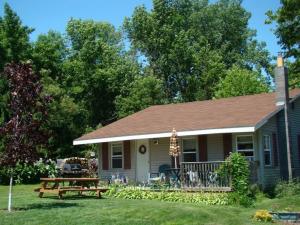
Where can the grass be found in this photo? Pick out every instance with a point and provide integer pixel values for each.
(29, 209)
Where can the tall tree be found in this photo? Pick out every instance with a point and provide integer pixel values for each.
(67, 119)
(14, 38)
(190, 43)
(288, 32)
(24, 133)
(14, 47)
(97, 68)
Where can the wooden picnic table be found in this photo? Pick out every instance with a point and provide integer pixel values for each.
(57, 186)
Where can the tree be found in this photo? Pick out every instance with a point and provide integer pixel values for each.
(287, 31)
(97, 68)
(67, 119)
(143, 92)
(24, 133)
(190, 44)
(238, 82)
(14, 38)
(14, 47)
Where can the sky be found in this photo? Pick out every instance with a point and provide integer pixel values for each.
(45, 15)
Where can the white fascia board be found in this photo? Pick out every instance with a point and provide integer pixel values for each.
(168, 134)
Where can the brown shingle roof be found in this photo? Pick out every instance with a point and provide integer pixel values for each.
(243, 111)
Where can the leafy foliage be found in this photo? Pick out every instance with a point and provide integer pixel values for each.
(237, 167)
(143, 92)
(24, 133)
(287, 31)
(14, 46)
(29, 174)
(14, 38)
(239, 82)
(185, 197)
(189, 47)
(285, 189)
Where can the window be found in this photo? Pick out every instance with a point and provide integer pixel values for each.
(189, 150)
(244, 145)
(117, 155)
(267, 150)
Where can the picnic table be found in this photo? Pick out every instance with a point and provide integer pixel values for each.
(79, 185)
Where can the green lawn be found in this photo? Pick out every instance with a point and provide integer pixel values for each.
(29, 209)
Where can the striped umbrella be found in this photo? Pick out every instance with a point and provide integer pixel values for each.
(174, 146)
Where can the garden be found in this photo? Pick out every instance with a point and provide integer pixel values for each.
(113, 209)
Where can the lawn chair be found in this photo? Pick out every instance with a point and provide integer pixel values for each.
(154, 178)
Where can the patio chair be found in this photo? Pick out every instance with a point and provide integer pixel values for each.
(160, 175)
(154, 179)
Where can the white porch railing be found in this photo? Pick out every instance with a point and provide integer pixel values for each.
(203, 175)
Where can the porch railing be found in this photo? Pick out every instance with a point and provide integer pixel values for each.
(204, 175)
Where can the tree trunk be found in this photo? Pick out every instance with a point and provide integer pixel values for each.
(9, 194)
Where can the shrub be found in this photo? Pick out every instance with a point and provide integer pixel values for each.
(263, 216)
(285, 188)
(28, 174)
(237, 167)
(175, 196)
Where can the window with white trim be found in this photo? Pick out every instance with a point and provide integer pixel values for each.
(116, 155)
(245, 146)
(267, 150)
(189, 152)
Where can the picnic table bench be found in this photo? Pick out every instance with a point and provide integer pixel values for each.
(79, 185)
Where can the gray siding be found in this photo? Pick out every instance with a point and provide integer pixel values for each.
(294, 125)
(159, 154)
(294, 119)
(130, 173)
(271, 174)
(215, 147)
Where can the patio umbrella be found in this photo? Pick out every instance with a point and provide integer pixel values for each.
(174, 146)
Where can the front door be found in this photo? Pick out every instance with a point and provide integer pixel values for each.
(142, 160)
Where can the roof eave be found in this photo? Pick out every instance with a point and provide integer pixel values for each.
(166, 134)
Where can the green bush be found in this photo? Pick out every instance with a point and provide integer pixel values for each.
(29, 174)
(285, 188)
(237, 167)
(175, 196)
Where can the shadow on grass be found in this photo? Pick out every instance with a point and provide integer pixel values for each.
(43, 206)
(73, 197)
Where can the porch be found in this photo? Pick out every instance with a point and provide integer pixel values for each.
(201, 156)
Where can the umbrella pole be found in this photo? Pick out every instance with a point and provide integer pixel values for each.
(175, 162)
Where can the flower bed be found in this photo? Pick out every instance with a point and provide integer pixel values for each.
(169, 196)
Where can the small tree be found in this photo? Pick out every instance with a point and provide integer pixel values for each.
(24, 134)
(237, 167)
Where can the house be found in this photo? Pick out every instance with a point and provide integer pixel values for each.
(208, 131)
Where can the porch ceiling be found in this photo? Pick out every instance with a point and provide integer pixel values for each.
(229, 115)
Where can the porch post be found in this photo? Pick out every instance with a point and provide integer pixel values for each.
(99, 158)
